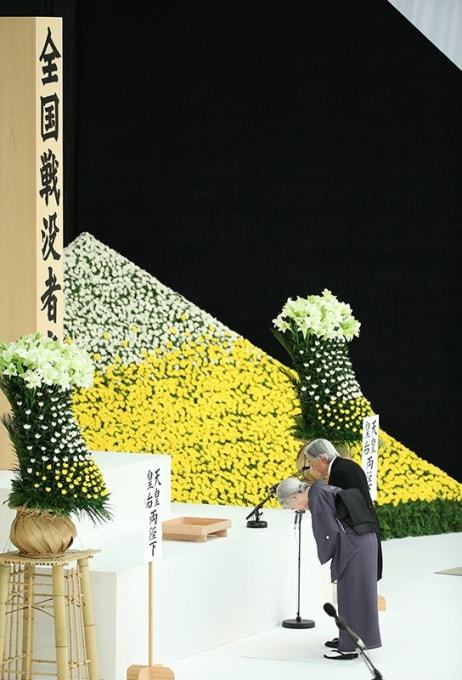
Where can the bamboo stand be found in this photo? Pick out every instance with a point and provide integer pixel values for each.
(65, 596)
(150, 672)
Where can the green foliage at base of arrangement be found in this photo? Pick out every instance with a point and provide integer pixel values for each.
(419, 518)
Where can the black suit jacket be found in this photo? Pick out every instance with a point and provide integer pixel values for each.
(346, 474)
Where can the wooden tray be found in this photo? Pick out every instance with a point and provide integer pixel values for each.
(194, 528)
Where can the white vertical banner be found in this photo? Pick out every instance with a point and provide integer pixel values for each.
(370, 452)
(155, 499)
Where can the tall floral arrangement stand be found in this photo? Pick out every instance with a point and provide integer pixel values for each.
(55, 476)
(315, 332)
(26, 593)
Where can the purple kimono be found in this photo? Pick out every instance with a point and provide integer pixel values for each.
(353, 565)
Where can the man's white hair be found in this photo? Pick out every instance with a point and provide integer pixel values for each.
(289, 487)
(321, 447)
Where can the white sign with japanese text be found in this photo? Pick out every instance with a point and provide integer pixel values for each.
(155, 499)
(370, 452)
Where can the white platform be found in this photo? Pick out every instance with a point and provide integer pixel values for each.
(219, 605)
(121, 544)
(206, 594)
(420, 628)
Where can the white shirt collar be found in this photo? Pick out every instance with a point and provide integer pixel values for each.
(330, 465)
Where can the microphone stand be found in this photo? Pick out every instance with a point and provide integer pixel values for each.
(298, 622)
(359, 645)
(376, 674)
(258, 523)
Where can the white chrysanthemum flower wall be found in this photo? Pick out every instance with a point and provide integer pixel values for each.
(172, 379)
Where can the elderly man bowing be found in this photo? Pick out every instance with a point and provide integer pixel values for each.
(344, 531)
(324, 461)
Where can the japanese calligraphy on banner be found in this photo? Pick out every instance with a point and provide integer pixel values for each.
(154, 509)
(370, 452)
(49, 149)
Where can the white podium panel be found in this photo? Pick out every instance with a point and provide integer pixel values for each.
(206, 594)
(124, 474)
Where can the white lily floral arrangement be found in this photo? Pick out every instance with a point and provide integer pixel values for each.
(38, 360)
(315, 330)
(321, 315)
(55, 471)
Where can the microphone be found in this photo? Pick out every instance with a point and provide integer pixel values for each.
(272, 489)
(302, 469)
(330, 609)
(342, 624)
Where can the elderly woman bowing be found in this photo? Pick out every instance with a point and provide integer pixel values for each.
(345, 533)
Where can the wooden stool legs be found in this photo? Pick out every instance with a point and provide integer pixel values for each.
(28, 621)
(89, 624)
(62, 651)
(4, 578)
(27, 597)
(62, 656)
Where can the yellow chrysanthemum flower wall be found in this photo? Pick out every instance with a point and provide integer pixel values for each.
(171, 379)
(224, 414)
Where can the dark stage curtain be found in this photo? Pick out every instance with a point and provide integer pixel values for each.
(244, 153)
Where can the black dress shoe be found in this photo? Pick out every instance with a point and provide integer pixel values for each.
(332, 643)
(341, 656)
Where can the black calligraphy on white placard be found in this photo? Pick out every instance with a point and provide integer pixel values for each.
(154, 510)
(370, 452)
(49, 88)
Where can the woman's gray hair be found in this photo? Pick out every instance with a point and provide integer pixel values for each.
(289, 487)
(320, 447)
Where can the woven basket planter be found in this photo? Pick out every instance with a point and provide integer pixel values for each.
(38, 533)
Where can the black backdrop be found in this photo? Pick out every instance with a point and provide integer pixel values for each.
(248, 152)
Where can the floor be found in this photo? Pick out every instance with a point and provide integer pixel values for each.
(421, 628)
